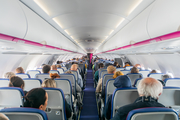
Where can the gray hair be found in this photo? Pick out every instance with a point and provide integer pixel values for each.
(3, 117)
(9, 75)
(150, 87)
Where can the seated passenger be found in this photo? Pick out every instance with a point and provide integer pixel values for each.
(166, 76)
(58, 66)
(96, 76)
(111, 70)
(134, 70)
(126, 64)
(8, 75)
(3, 117)
(153, 71)
(115, 64)
(119, 66)
(36, 98)
(54, 75)
(74, 67)
(16, 81)
(46, 69)
(53, 67)
(122, 81)
(19, 70)
(49, 83)
(149, 90)
(137, 65)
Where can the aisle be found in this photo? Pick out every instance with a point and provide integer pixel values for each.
(89, 111)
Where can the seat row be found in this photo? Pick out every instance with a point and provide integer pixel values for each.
(13, 97)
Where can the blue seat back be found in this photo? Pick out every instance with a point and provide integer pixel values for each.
(31, 83)
(22, 75)
(172, 82)
(56, 104)
(24, 114)
(42, 76)
(121, 97)
(33, 73)
(134, 76)
(65, 86)
(4, 82)
(11, 97)
(156, 75)
(154, 113)
(109, 89)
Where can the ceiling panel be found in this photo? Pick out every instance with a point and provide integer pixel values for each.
(82, 20)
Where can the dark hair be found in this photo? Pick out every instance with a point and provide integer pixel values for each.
(58, 62)
(115, 64)
(35, 98)
(101, 65)
(46, 68)
(16, 81)
(153, 71)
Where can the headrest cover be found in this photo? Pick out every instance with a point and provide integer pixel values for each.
(122, 81)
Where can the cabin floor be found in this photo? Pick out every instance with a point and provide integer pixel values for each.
(89, 111)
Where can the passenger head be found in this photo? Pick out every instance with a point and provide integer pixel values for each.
(69, 72)
(153, 71)
(117, 73)
(111, 69)
(150, 87)
(115, 64)
(166, 76)
(16, 81)
(126, 63)
(8, 75)
(54, 75)
(137, 65)
(53, 67)
(74, 67)
(101, 65)
(134, 70)
(58, 66)
(3, 117)
(46, 69)
(19, 70)
(58, 62)
(36, 98)
(122, 81)
(49, 83)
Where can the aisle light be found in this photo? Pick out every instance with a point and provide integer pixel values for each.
(111, 32)
(57, 22)
(120, 22)
(67, 32)
(41, 6)
(134, 7)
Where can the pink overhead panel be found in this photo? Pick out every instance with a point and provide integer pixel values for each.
(6, 37)
(11, 38)
(157, 39)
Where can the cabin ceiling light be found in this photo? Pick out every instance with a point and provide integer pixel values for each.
(106, 37)
(41, 6)
(72, 37)
(134, 7)
(67, 32)
(111, 32)
(120, 22)
(57, 22)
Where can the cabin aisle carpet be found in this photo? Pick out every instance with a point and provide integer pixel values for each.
(89, 111)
